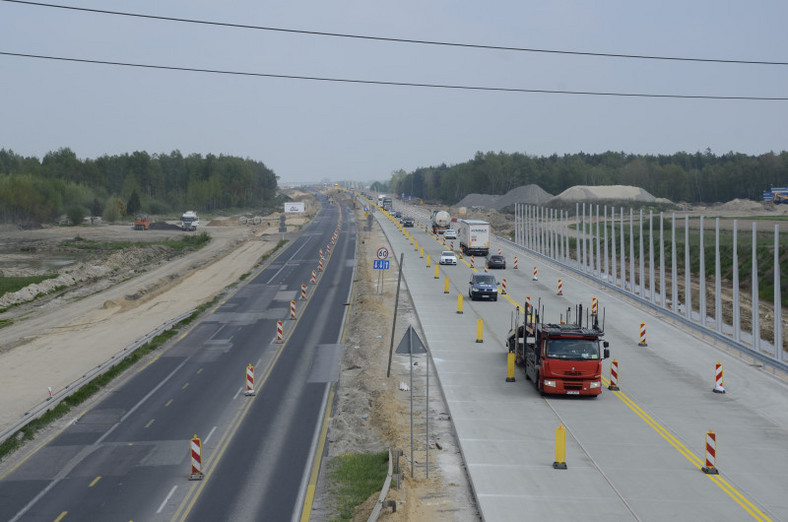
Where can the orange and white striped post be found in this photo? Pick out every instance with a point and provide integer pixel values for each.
(613, 376)
(515, 262)
(314, 277)
(560, 287)
(473, 261)
(503, 286)
(328, 249)
(594, 306)
(711, 454)
(499, 251)
(452, 246)
(536, 273)
(718, 388)
(303, 292)
(642, 334)
(321, 252)
(249, 380)
(485, 269)
(320, 265)
(280, 332)
(196, 454)
(292, 310)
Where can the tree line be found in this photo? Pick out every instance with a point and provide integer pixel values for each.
(33, 190)
(694, 178)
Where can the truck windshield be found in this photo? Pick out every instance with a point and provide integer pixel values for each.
(573, 349)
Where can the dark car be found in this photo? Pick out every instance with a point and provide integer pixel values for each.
(397, 214)
(496, 261)
(408, 222)
(483, 286)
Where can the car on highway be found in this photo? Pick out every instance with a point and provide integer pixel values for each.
(408, 222)
(448, 258)
(397, 214)
(496, 261)
(450, 233)
(483, 286)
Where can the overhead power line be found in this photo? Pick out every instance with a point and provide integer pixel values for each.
(403, 40)
(401, 84)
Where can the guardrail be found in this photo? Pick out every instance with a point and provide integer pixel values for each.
(60, 395)
(383, 492)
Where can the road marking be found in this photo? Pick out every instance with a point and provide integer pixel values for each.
(168, 403)
(689, 455)
(306, 511)
(185, 386)
(199, 371)
(60, 517)
(238, 393)
(148, 425)
(205, 440)
(190, 499)
(166, 499)
(94, 481)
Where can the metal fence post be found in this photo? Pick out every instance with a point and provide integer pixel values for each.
(735, 268)
(756, 316)
(702, 278)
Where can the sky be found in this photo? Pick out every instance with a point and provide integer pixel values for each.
(309, 131)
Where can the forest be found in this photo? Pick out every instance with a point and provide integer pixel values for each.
(39, 191)
(693, 178)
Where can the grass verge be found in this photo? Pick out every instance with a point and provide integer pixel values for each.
(354, 477)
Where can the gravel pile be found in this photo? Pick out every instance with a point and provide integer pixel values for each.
(528, 194)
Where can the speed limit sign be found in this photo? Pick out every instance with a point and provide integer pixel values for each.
(383, 253)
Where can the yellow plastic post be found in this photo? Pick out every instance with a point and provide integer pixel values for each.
(421, 253)
(560, 448)
(415, 245)
(510, 367)
(428, 260)
(446, 287)
(479, 330)
(459, 302)
(436, 272)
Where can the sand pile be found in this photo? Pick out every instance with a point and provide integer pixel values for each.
(740, 205)
(604, 192)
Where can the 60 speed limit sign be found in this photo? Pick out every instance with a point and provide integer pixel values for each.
(383, 253)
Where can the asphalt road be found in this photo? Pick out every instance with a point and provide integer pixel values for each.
(633, 454)
(128, 457)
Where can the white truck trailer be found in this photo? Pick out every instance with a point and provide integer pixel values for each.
(474, 237)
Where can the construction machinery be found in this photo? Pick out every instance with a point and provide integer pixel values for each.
(141, 222)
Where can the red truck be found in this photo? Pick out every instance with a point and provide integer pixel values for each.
(561, 359)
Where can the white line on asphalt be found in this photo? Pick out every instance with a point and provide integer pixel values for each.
(166, 499)
(205, 440)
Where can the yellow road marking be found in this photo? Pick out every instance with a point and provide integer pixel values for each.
(148, 425)
(199, 371)
(168, 403)
(61, 516)
(306, 512)
(185, 386)
(689, 455)
(94, 481)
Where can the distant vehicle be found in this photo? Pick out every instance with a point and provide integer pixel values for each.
(474, 237)
(450, 233)
(397, 214)
(448, 258)
(408, 222)
(496, 261)
(141, 222)
(440, 220)
(387, 203)
(483, 286)
(189, 221)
